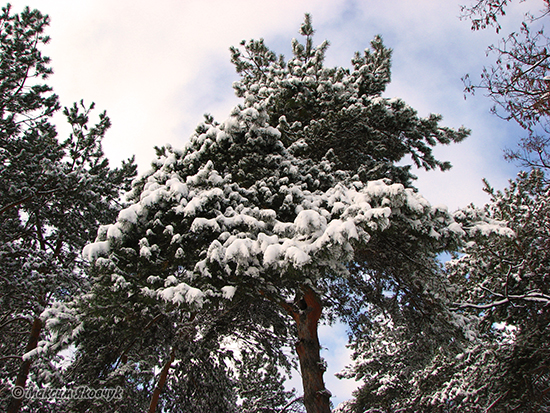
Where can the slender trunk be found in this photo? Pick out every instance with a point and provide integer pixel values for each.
(21, 379)
(316, 396)
(160, 384)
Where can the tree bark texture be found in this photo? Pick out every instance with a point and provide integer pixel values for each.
(307, 315)
(21, 380)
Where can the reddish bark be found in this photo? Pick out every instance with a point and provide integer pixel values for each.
(307, 315)
(21, 379)
(160, 384)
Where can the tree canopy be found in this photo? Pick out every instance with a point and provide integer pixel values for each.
(286, 204)
(55, 192)
(206, 285)
(504, 279)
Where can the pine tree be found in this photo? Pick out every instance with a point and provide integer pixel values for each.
(398, 310)
(287, 203)
(261, 386)
(339, 113)
(504, 279)
(499, 294)
(54, 195)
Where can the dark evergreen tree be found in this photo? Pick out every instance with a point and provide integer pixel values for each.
(504, 279)
(54, 194)
(261, 386)
(398, 307)
(339, 113)
(500, 293)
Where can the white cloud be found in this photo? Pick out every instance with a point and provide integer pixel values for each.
(156, 68)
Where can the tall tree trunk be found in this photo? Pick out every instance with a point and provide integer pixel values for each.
(316, 396)
(21, 379)
(160, 384)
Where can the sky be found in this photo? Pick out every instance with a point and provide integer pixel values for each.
(157, 67)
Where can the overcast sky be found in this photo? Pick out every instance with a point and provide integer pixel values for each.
(158, 66)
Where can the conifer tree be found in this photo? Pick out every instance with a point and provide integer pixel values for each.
(503, 278)
(261, 386)
(284, 205)
(500, 293)
(54, 195)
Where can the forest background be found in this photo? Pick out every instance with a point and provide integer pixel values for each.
(158, 69)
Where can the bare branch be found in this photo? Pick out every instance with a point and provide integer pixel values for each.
(11, 358)
(13, 320)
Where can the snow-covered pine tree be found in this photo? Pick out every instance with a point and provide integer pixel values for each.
(338, 113)
(277, 205)
(54, 195)
(500, 285)
(126, 341)
(398, 308)
(504, 278)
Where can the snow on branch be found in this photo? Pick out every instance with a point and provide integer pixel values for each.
(533, 296)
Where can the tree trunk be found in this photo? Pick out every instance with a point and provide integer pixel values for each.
(21, 380)
(316, 396)
(160, 385)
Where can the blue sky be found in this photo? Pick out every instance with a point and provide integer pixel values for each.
(157, 67)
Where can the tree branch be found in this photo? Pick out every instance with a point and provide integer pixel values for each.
(531, 296)
(23, 200)
(14, 320)
(127, 349)
(11, 357)
(160, 384)
(289, 404)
